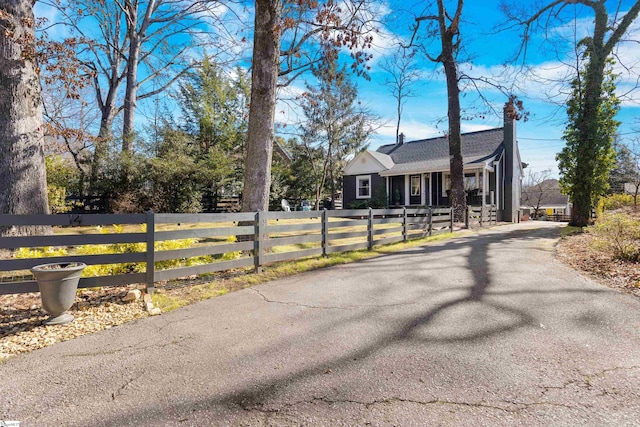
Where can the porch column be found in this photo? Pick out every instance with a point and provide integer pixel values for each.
(485, 187)
(423, 191)
(407, 190)
(389, 201)
(497, 169)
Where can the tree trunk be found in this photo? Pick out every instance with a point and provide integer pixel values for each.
(264, 77)
(130, 96)
(23, 184)
(457, 197)
(132, 80)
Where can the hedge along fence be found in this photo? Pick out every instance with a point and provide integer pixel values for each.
(269, 237)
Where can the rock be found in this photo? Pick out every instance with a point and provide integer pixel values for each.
(147, 298)
(149, 306)
(34, 307)
(155, 311)
(133, 295)
(83, 305)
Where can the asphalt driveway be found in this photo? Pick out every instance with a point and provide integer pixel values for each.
(483, 330)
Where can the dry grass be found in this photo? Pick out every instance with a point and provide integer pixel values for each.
(579, 250)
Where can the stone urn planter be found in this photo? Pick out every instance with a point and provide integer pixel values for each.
(58, 284)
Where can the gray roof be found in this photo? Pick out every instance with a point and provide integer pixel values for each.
(547, 192)
(433, 153)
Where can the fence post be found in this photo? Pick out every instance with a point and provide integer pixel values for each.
(257, 243)
(430, 231)
(150, 268)
(466, 217)
(481, 215)
(325, 231)
(405, 230)
(451, 220)
(370, 230)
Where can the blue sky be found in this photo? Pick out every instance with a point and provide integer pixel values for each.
(425, 114)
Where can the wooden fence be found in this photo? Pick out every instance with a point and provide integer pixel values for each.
(478, 216)
(262, 238)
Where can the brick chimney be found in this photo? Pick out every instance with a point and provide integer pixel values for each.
(512, 179)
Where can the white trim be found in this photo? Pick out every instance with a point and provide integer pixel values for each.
(362, 177)
(430, 188)
(386, 179)
(365, 163)
(423, 190)
(407, 192)
(484, 187)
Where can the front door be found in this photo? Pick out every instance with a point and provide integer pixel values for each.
(396, 198)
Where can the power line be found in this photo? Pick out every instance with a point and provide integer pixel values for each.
(542, 147)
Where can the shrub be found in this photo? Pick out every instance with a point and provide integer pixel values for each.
(617, 201)
(620, 234)
(120, 248)
(377, 201)
(57, 202)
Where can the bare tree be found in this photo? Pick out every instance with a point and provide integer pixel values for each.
(403, 74)
(445, 26)
(160, 35)
(626, 175)
(289, 38)
(23, 185)
(144, 45)
(537, 189)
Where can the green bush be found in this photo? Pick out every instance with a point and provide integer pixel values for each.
(620, 234)
(617, 201)
(57, 202)
(378, 201)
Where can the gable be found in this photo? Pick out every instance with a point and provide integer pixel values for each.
(368, 162)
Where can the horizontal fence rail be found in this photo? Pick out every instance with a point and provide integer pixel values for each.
(160, 247)
(480, 216)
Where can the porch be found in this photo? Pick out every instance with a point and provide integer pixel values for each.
(433, 188)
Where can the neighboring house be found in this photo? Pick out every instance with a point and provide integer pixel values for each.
(546, 199)
(416, 173)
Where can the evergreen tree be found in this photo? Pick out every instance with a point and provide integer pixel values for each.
(215, 107)
(585, 163)
(336, 125)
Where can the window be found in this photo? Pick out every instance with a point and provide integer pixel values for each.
(363, 187)
(446, 182)
(415, 185)
(470, 181)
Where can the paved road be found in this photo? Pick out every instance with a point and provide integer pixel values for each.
(482, 330)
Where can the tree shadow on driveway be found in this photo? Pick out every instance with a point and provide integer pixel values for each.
(475, 254)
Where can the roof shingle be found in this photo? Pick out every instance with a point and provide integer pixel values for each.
(435, 151)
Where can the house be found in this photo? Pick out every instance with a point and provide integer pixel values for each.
(545, 198)
(416, 173)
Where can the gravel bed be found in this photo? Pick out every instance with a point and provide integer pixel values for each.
(21, 316)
